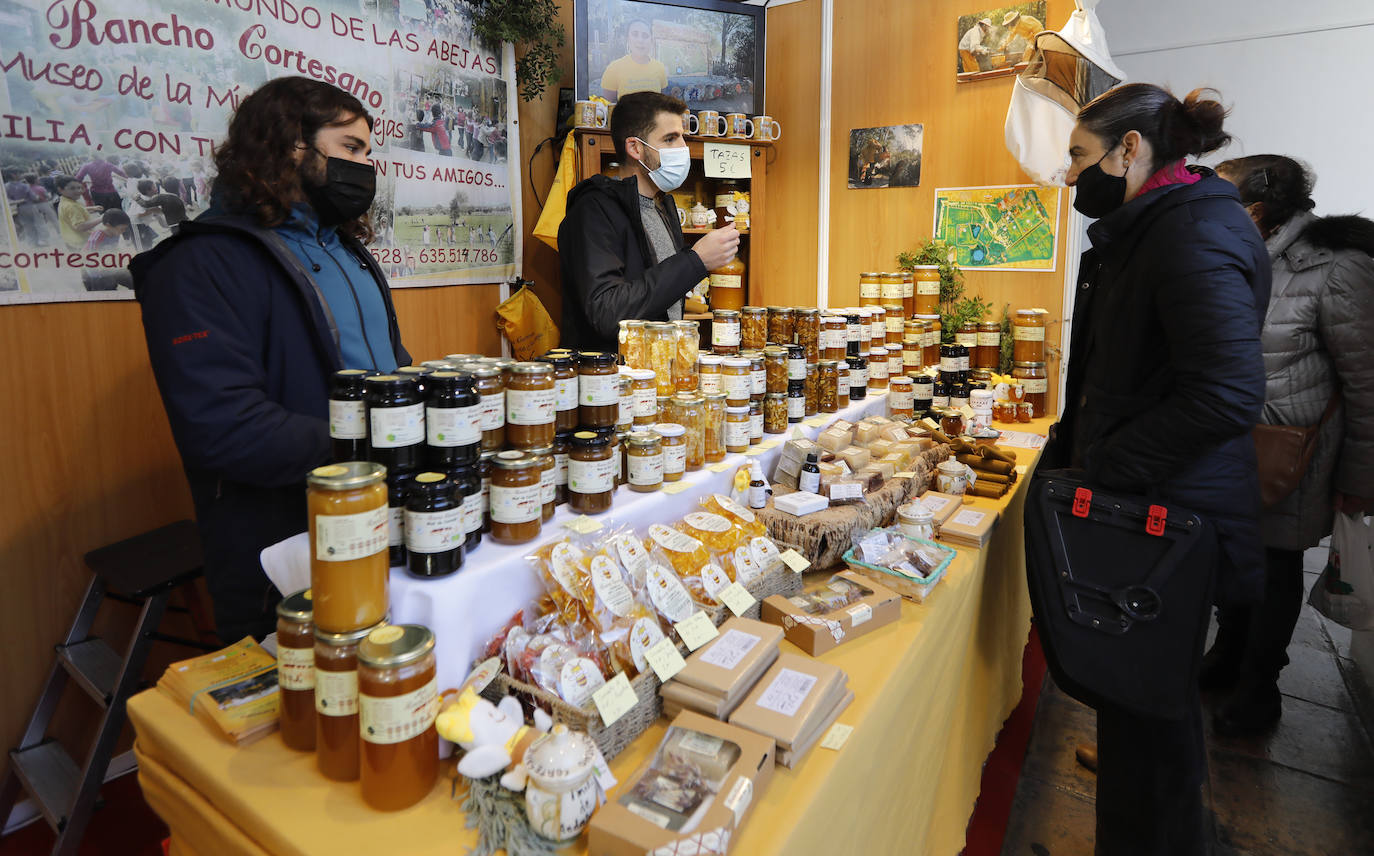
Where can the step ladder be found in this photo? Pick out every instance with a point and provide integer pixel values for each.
(143, 570)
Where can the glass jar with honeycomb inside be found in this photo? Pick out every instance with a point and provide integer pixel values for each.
(661, 341)
(632, 350)
(684, 375)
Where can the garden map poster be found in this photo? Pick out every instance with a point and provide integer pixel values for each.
(1000, 228)
(131, 97)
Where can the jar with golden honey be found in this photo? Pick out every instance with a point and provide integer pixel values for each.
(491, 406)
(780, 325)
(890, 288)
(598, 391)
(967, 335)
(644, 389)
(1028, 336)
(866, 330)
(927, 282)
(775, 413)
(842, 393)
(811, 389)
(727, 286)
(933, 338)
(661, 341)
(684, 374)
(713, 427)
(755, 420)
(832, 337)
(398, 701)
(632, 347)
(736, 382)
(516, 498)
(688, 409)
(877, 368)
(988, 354)
(828, 386)
(775, 369)
(296, 670)
(908, 293)
(349, 550)
(914, 331)
(644, 461)
(899, 397)
(708, 365)
(531, 418)
(912, 353)
(337, 741)
(625, 412)
(877, 326)
(1035, 380)
(565, 388)
(753, 327)
(737, 428)
(870, 289)
(674, 446)
(892, 315)
(591, 472)
(758, 375)
(548, 480)
(807, 328)
(725, 332)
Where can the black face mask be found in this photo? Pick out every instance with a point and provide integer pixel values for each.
(1099, 194)
(346, 193)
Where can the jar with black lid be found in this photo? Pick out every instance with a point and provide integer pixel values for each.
(348, 415)
(565, 389)
(485, 465)
(434, 526)
(922, 393)
(562, 445)
(420, 374)
(398, 483)
(958, 395)
(467, 481)
(853, 324)
(939, 398)
(858, 378)
(598, 393)
(796, 363)
(395, 422)
(452, 433)
(796, 400)
(591, 472)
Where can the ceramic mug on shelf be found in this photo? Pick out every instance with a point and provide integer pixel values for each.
(590, 114)
(738, 126)
(690, 124)
(767, 128)
(710, 124)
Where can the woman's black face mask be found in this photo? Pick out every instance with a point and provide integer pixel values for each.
(1097, 193)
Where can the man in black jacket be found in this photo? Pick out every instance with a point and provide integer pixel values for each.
(620, 243)
(248, 309)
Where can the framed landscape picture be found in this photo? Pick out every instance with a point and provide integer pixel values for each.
(885, 157)
(1000, 228)
(709, 53)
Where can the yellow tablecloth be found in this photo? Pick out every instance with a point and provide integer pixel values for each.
(931, 693)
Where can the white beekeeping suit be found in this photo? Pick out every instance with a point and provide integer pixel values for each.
(1068, 69)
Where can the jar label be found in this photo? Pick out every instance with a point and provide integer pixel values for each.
(724, 333)
(766, 554)
(646, 402)
(548, 485)
(877, 329)
(796, 407)
(1027, 334)
(512, 505)
(560, 469)
(738, 386)
(472, 513)
(710, 383)
(911, 357)
(598, 390)
(347, 420)
(796, 369)
(949, 364)
(646, 469)
(295, 668)
(746, 567)
(625, 414)
(758, 382)
(858, 377)
(668, 594)
(632, 555)
(894, 324)
(565, 392)
(736, 434)
(726, 280)
(531, 406)
(592, 476)
(899, 399)
(908, 289)
(733, 507)
(394, 427)
(928, 287)
(892, 290)
(491, 412)
(673, 540)
(877, 369)
(869, 289)
(395, 719)
(396, 526)
(894, 365)
(939, 401)
(931, 339)
(434, 531)
(756, 425)
(346, 537)
(675, 458)
(610, 588)
(566, 564)
(832, 338)
(336, 693)
(446, 427)
(713, 579)
(963, 363)
(968, 340)
(644, 634)
(989, 340)
(1035, 385)
(578, 679)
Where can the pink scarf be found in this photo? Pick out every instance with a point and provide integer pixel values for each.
(1173, 173)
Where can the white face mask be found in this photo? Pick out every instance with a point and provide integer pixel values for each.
(673, 166)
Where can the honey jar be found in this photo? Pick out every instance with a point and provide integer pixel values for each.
(927, 282)
(661, 340)
(858, 378)
(452, 434)
(625, 410)
(832, 337)
(877, 326)
(684, 374)
(870, 289)
(812, 389)
(548, 479)
(725, 332)
(908, 293)
(337, 741)
(592, 467)
(737, 428)
(709, 366)
(713, 427)
(644, 461)
(736, 382)
(1028, 336)
(516, 502)
(491, 405)
(530, 399)
(932, 339)
(755, 420)
(395, 421)
(674, 445)
(727, 286)
(632, 346)
(775, 413)
(296, 670)
(780, 325)
(828, 386)
(807, 328)
(753, 327)
(348, 415)
(877, 369)
(989, 351)
(796, 401)
(565, 385)
(349, 553)
(645, 395)
(688, 409)
(899, 397)
(893, 316)
(775, 368)
(1035, 381)
(434, 526)
(890, 288)
(758, 375)
(398, 700)
(598, 393)
(853, 327)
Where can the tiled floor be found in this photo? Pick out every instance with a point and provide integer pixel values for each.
(1305, 789)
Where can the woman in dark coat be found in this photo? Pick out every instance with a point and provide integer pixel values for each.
(1165, 383)
(1318, 341)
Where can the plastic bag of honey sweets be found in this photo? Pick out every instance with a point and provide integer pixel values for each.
(748, 522)
(628, 622)
(718, 533)
(565, 570)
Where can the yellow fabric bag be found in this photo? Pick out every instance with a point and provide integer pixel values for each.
(526, 324)
(556, 206)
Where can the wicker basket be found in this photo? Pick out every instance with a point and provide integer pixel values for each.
(612, 739)
(912, 588)
(783, 581)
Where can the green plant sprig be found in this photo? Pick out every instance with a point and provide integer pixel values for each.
(532, 25)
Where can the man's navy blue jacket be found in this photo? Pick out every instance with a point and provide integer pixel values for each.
(242, 344)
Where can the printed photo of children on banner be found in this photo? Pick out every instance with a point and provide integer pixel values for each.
(110, 111)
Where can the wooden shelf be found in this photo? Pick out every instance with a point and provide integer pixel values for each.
(691, 138)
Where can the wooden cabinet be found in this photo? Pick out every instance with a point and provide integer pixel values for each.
(596, 152)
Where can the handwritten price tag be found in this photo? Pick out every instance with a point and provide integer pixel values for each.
(665, 659)
(737, 597)
(725, 161)
(677, 486)
(794, 560)
(720, 467)
(582, 525)
(615, 699)
(696, 631)
(837, 735)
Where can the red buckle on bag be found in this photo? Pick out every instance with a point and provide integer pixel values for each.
(1082, 502)
(1154, 524)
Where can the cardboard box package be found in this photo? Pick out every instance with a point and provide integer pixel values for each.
(692, 795)
(942, 505)
(788, 701)
(969, 527)
(818, 632)
(790, 758)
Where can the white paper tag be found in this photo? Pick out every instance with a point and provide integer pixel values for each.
(602, 770)
(859, 613)
(740, 796)
(969, 517)
(795, 561)
(787, 692)
(696, 630)
(610, 588)
(737, 598)
(665, 659)
(731, 648)
(846, 490)
(837, 736)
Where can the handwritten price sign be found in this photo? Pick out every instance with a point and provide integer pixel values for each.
(725, 161)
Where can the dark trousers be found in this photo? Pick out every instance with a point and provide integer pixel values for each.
(1257, 636)
(1149, 785)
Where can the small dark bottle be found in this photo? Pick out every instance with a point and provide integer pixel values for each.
(810, 478)
(398, 483)
(851, 345)
(395, 422)
(434, 526)
(858, 378)
(758, 491)
(453, 436)
(348, 415)
(468, 491)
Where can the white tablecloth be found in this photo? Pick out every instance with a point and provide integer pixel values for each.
(466, 608)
